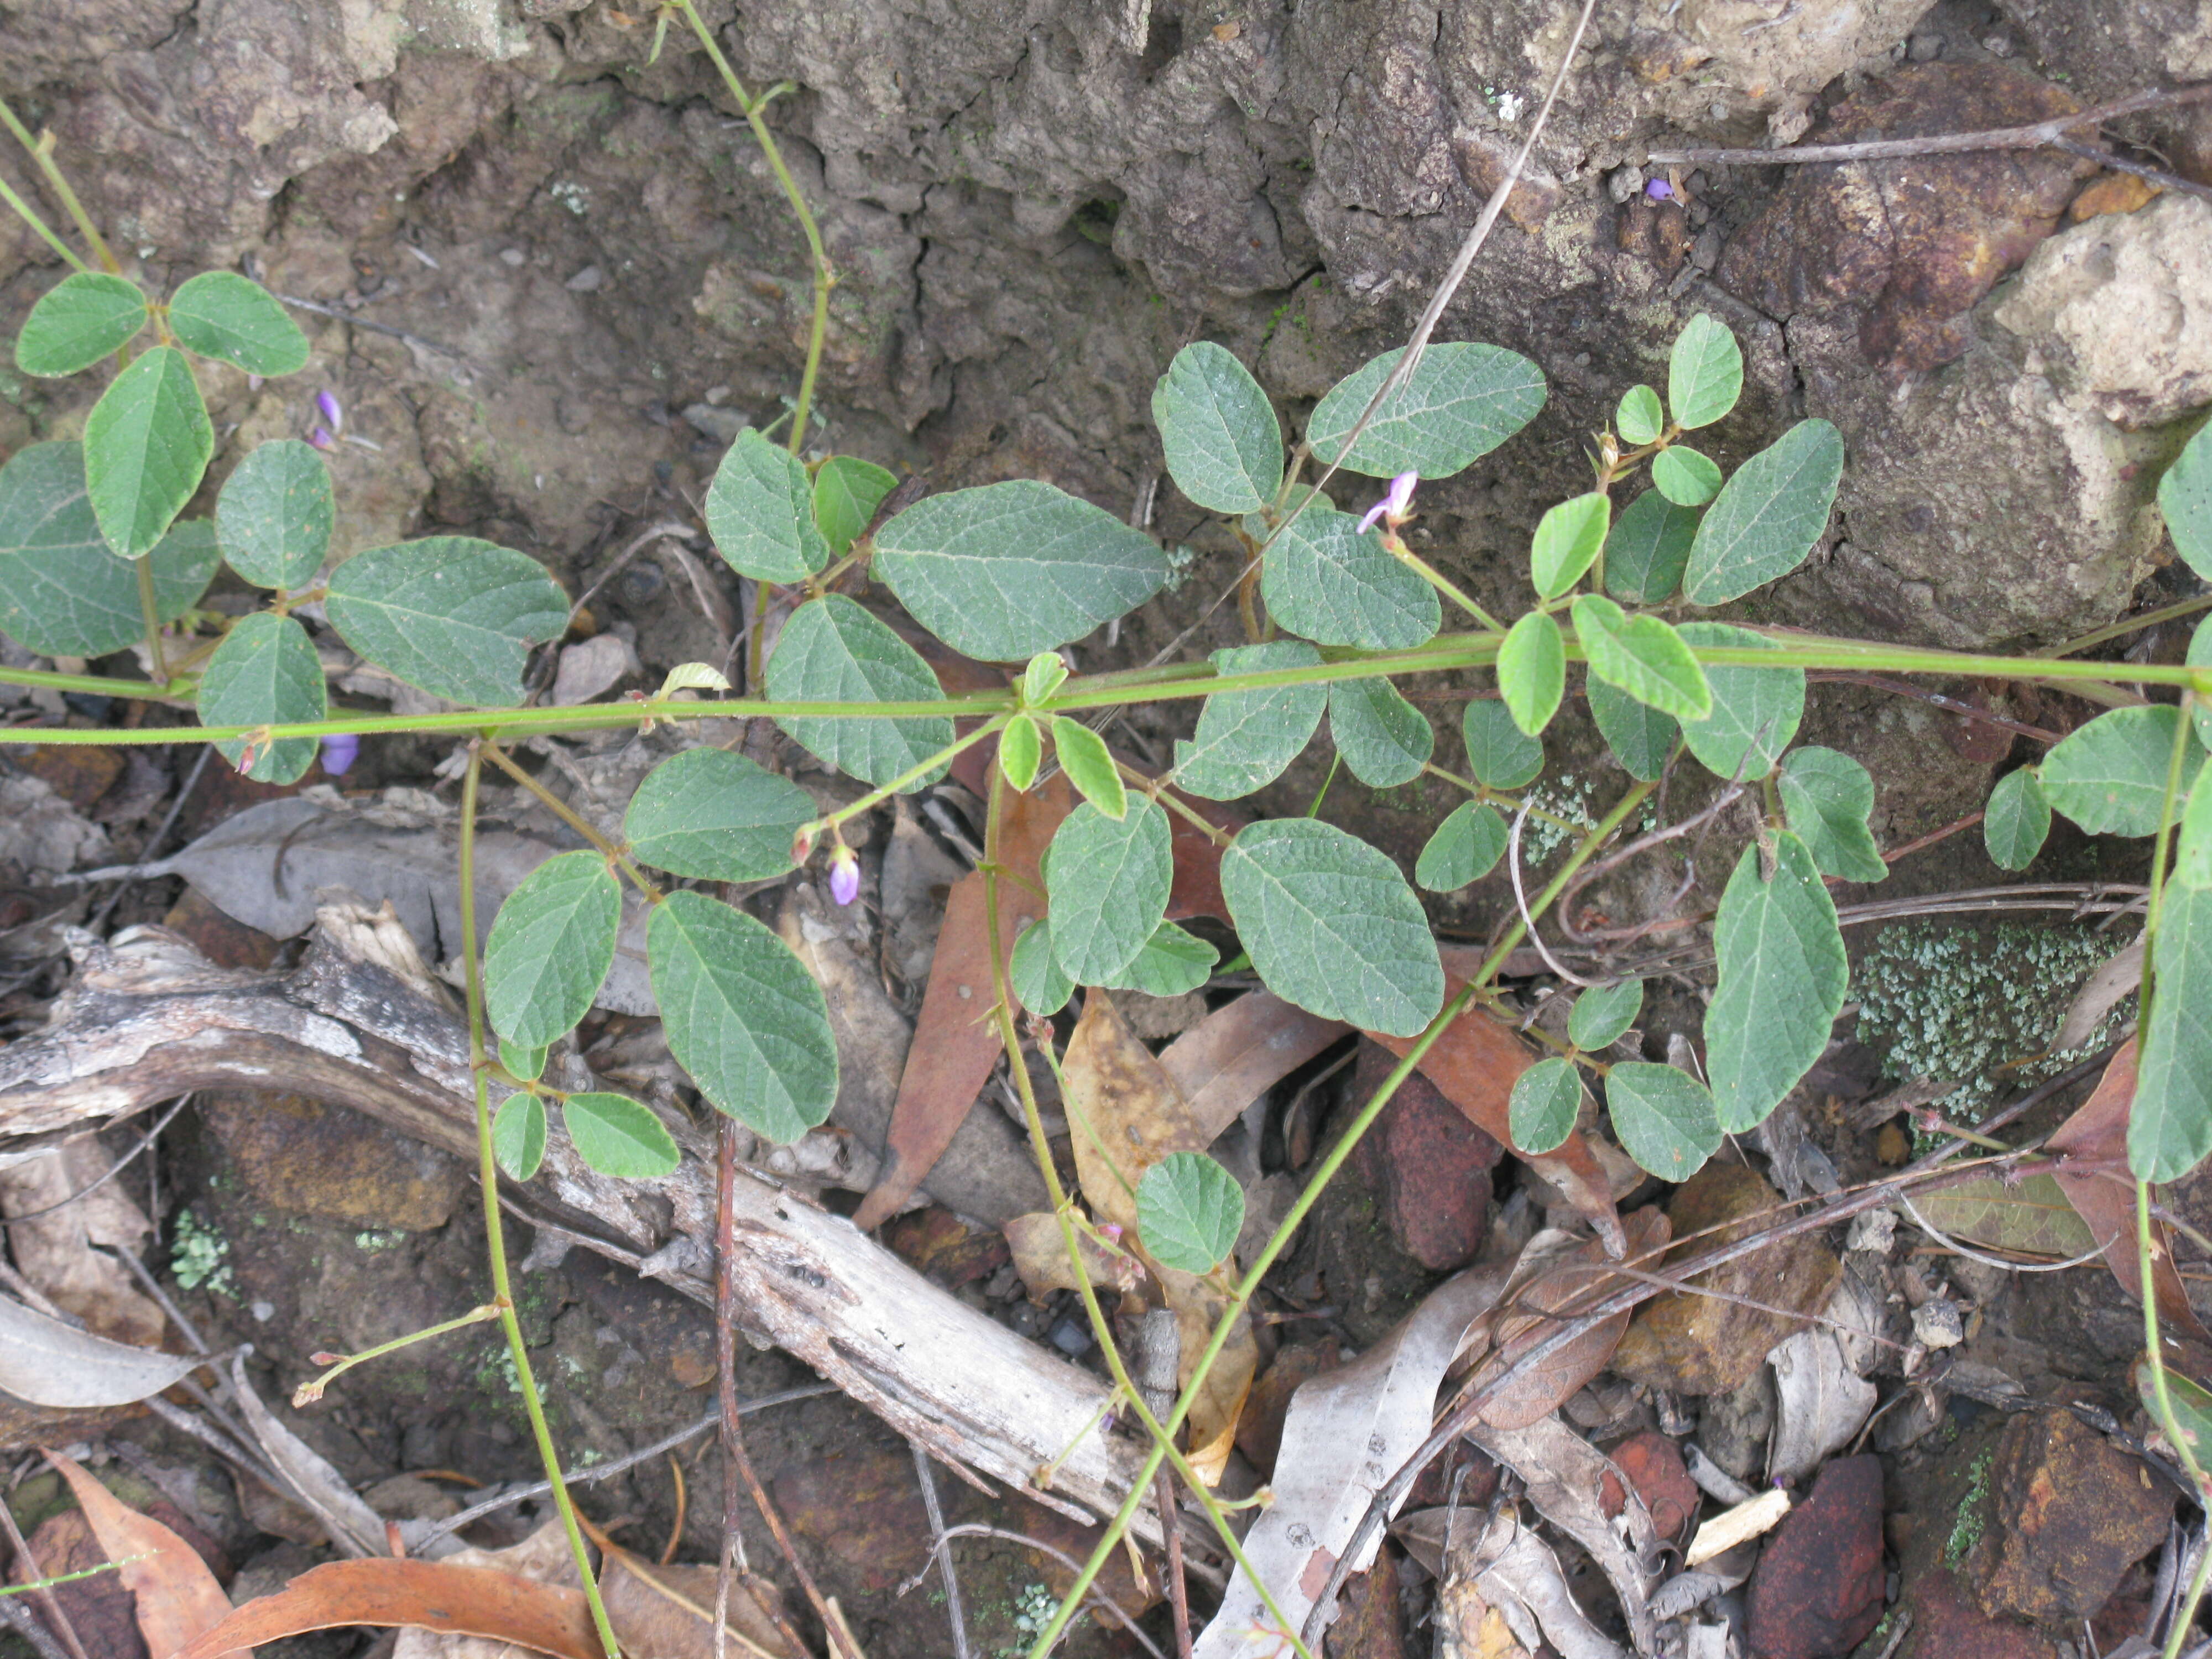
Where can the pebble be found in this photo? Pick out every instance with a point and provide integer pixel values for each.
(587, 281)
(1818, 1589)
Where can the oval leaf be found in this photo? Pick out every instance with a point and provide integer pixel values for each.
(1767, 516)
(1644, 656)
(218, 313)
(1173, 961)
(1021, 751)
(1499, 752)
(2192, 849)
(2170, 1123)
(1466, 848)
(1224, 448)
(451, 615)
(518, 1135)
(1107, 882)
(146, 447)
(550, 948)
(847, 490)
(1040, 984)
(1639, 420)
(2109, 776)
(1460, 402)
(1532, 671)
(265, 672)
(717, 816)
(1827, 798)
(1384, 739)
(1640, 737)
(1568, 538)
(1088, 765)
(760, 511)
(832, 651)
(1756, 711)
(616, 1136)
(1685, 477)
(2200, 656)
(1246, 738)
(1324, 578)
(1664, 1118)
(1189, 1211)
(1546, 1099)
(2184, 496)
(1648, 549)
(1704, 372)
(2017, 820)
(1602, 1015)
(85, 316)
(274, 514)
(1781, 982)
(528, 1064)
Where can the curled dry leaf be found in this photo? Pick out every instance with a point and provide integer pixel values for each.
(354, 1527)
(46, 1362)
(434, 1595)
(59, 1252)
(1822, 1398)
(1041, 1257)
(2115, 977)
(1241, 1051)
(1516, 1572)
(668, 1613)
(178, 1598)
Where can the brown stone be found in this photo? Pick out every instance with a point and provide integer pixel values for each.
(1654, 1467)
(1948, 1624)
(1818, 1589)
(2068, 1513)
(1368, 1626)
(317, 1159)
(1429, 1165)
(1259, 1426)
(223, 941)
(79, 773)
(937, 1243)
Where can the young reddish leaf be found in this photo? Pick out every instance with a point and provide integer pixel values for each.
(178, 1597)
(431, 1595)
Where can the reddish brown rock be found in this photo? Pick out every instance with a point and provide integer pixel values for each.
(1948, 1624)
(1260, 1424)
(1818, 1589)
(1429, 1165)
(2068, 1513)
(1368, 1626)
(1654, 1467)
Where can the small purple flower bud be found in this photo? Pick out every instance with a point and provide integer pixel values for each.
(339, 750)
(844, 876)
(320, 437)
(1659, 189)
(327, 401)
(1395, 502)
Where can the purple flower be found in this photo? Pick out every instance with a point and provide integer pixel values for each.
(1396, 500)
(844, 876)
(339, 750)
(1659, 189)
(320, 437)
(327, 401)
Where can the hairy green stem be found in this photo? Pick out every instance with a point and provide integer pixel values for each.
(149, 611)
(2128, 625)
(912, 774)
(568, 815)
(23, 210)
(42, 153)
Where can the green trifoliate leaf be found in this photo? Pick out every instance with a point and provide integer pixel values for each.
(1767, 517)
(1460, 403)
(1545, 1100)
(518, 1135)
(274, 514)
(1499, 752)
(616, 1136)
(1466, 848)
(449, 614)
(62, 592)
(528, 1064)
(1040, 983)
(1602, 1015)
(2017, 820)
(2184, 496)
(1639, 420)
(1756, 711)
(741, 1016)
(1246, 738)
(1384, 739)
(1685, 477)
(1010, 570)
(550, 948)
(265, 672)
(1189, 1211)
(1644, 656)
(717, 816)
(146, 447)
(1532, 671)
(1664, 1118)
(832, 651)
(1568, 538)
(1106, 882)
(1332, 926)
(760, 511)
(2192, 851)
(1640, 737)
(1021, 751)
(2170, 1123)
(218, 313)
(1173, 961)
(847, 490)
(1647, 549)
(85, 316)
(1046, 673)
(1781, 978)
(1224, 449)
(1704, 372)
(2109, 776)
(1324, 578)
(1827, 798)
(1088, 765)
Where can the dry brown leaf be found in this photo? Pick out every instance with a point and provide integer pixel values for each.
(1041, 1257)
(178, 1598)
(543, 1558)
(1557, 1273)
(668, 1613)
(1239, 1051)
(58, 1254)
(2115, 977)
(435, 1595)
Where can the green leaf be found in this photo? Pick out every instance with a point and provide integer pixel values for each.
(1088, 765)
(449, 614)
(1466, 848)
(1046, 673)
(1546, 1099)
(1040, 983)
(550, 948)
(62, 592)
(1532, 671)
(1639, 420)
(1781, 978)
(1499, 752)
(1332, 926)
(1647, 549)
(1756, 711)
(146, 447)
(1640, 737)
(847, 490)
(1704, 372)
(518, 1135)
(717, 816)
(2200, 656)
(1010, 570)
(1685, 477)
(2191, 1403)
(1663, 1116)
(2192, 851)
(85, 316)
(2170, 1124)
(1568, 538)
(218, 313)
(1106, 882)
(1173, 961)
(1827, 798)
(2017, 820)
(1323, 577)
(1767, 516)
(1602, 1015)
(2184, 496)
(1384, 739)
(1460, 403)
(274, 514)
(1246, 738)
(2109, 776)
(616, 1136)
(1021, 751)
(1224, 449)
(1644, 656)
(832, 651)
(265, 672)
(1189, 1211)
(742, 1017)
(528, 1064)
(2009, 1212)
(760, 511)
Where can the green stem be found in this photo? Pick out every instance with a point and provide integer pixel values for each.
(24, 211)
(1435, 578)
(308, 1393)
(96, 684)
(2128, 625)
(149, 612)
(42, 152)
(912, 774)
(494, 1235)
(568, 816)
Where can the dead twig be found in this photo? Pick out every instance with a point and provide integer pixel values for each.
(1178, 1589)
(1957, 706)
(18, 1618)
(57, 1621)
(935, 1509)
(400, 334)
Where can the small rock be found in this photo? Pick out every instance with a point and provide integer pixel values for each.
(1259, 1426)
(513, 258)
(79, 773)
(1654, 1467)
(1998, 44)
(2067, 1514)
(1948, 1625)
(1623, 183)
(587, 281)
(1872, 1229)
(722, 425)
(1818, 1588)
(300, 1154)
(1939, 1323)
(1734, 1427)
(1429, 1165)
(1924, 48)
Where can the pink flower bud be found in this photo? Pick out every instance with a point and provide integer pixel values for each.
(327, 401)
(320, 437)
(339, 750)
(844, 876)
(1395, 502)
(802, 843)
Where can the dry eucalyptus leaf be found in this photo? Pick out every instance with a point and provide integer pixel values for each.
(668, 1613)
(354, 1527)
(1556, 1272)
(2115, 977)
(46, 1362)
